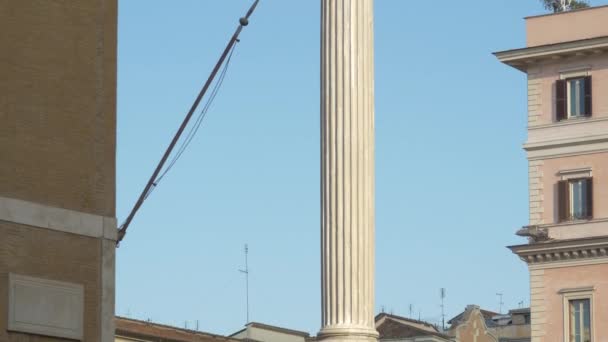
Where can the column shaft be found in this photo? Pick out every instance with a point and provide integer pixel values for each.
(347, 170)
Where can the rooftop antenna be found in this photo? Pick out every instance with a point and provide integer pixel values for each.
(411, 310)
(442, 295)
(246, 272)
(197, 325)
(500, 302)
(521, 304)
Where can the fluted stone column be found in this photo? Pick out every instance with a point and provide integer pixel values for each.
(347, 170)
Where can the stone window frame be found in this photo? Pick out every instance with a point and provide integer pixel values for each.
(576, 294)
(575, 173)
(568, 74)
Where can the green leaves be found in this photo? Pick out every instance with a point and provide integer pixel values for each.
(558, 6)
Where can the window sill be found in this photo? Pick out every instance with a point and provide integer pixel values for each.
(574, 221)
(575, 119)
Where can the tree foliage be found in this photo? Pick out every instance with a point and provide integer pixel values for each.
(557, 5)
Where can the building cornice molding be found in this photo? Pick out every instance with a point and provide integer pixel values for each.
(564, 251)
(524, 57)
(570, 122)
(557, 148)
(57, 219)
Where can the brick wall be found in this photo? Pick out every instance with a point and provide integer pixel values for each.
(52, 255)
(57, 145)
(58, 107)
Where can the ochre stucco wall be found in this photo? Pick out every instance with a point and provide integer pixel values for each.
(58, 107)
(51, 255)
(598, 163)
(544, 77)
(557, 279)
(551, 29)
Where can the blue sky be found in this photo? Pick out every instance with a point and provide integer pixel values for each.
(451, 177)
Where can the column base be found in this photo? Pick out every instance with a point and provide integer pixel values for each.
(347, 334)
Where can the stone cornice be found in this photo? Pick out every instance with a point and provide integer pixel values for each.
(57, 219)
(522, 58)
(564, 250)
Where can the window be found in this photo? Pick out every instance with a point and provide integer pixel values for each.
(578, 314)
(580, 320)
(576, 97)
(573, 98)
(575, 199)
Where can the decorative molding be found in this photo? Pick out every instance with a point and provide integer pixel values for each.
(58, 219)
(577, 290)
(563, 252)
(559, 148)
(521, 59)
(575, 173)
(569, 122)
(45, 307)
(576, 72)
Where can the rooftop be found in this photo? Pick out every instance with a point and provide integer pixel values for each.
(272, 328)
(150, 331)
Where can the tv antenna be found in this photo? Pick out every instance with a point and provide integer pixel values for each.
(246, 272)
(442, 294)
(500, 303)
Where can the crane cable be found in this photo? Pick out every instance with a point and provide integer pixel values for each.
(155, 178)
(199, 119)
(197, 124)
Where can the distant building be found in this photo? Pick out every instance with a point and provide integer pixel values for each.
(514, 326)
(132, 330)
(394, 328)
(566, 63)
(259, 332)
(477, 325)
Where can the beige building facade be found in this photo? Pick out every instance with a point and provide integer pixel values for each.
(566, 61)
(259, 332)
(57, 170)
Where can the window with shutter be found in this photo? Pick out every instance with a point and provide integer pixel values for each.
(575, 199)
(573, 98)
(563, 199)
(588, 101)
(576, 97)
(560, 100)
(589, 199)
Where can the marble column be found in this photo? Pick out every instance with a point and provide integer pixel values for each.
(347, 170)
